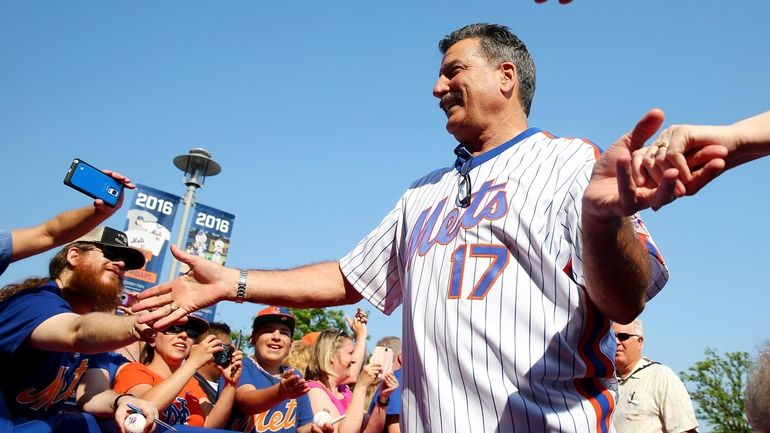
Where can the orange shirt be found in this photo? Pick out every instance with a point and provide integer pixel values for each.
(185, 409)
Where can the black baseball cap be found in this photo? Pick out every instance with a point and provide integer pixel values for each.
(117, 242)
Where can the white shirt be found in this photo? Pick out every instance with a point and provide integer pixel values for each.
(653, 400)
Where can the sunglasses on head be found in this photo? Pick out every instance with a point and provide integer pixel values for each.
(623, 336)
(178, 329)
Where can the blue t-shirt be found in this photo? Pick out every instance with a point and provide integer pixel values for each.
(6, 250)
(286, 416)
(37, 382)
(394, 404)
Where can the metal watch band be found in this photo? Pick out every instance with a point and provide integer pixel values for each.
(240, 294)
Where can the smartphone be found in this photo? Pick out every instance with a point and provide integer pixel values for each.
(93, 182)
(383, 356)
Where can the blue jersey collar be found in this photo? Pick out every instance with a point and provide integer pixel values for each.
(464, 156)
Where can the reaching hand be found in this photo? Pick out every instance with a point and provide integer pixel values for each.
(205, 284)
(358, 324)
(612, 191)
(697, 152)
(292, 385)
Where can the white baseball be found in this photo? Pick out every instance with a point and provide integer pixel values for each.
(321, 418)
(135, 423)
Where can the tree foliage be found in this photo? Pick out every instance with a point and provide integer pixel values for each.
(720, 382)
(318, 319)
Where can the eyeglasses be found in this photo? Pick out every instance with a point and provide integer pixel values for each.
(623, 336)
(178, 329)
(463, 161)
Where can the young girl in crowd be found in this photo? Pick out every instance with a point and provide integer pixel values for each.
(166, 376)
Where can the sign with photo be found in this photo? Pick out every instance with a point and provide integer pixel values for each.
(150, 220)
(209, 237)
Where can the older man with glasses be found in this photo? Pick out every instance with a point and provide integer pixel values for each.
(651, 398)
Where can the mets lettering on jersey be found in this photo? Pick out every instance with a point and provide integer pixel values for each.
(499, 334)
(60, 388)
(281, 418)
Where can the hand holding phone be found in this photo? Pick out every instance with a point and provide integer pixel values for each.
(93, 182)
(384, 356)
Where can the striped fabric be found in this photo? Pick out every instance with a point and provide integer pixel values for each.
(498, 333)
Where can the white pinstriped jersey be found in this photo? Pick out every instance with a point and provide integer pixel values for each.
(498, 333)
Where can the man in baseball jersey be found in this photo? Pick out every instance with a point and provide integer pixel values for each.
(53, 332)
(510, 264)
(651, 397)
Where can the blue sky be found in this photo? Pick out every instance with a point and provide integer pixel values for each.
(321, 114)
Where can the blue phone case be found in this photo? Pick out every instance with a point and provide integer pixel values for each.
(93, 182)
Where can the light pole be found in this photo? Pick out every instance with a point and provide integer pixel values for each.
(196, 165)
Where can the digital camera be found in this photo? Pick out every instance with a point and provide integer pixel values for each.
(223, 357)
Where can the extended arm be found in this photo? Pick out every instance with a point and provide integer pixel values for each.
(65, 227)
(616, 265)
(252, 400)
(88, 333)
(702, 152)
(317, 285)
(358, 325)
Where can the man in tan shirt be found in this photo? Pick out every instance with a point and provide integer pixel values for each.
(651, 398)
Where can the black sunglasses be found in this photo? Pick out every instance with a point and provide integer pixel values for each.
(110, 253)
(178, 329)
(623, 336)
(463, 161)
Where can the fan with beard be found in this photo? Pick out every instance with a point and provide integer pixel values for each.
(87, 288)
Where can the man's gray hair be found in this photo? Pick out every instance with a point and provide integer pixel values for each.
(638, 326)
(757, 402)
(498, 44)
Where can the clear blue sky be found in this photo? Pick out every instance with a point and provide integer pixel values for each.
(321, 114)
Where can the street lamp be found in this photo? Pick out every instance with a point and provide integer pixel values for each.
(196, 165)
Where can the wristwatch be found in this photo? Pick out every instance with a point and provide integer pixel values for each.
(240, 293)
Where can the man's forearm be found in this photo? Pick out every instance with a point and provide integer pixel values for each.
(64, 227)
(88, 333)
(103, 332)
(616, 267)
(311, 286)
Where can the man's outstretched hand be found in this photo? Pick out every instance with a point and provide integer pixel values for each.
(612, 191)
(205, 284)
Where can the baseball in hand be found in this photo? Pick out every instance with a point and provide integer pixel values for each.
(321, 418)
(135, 423)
